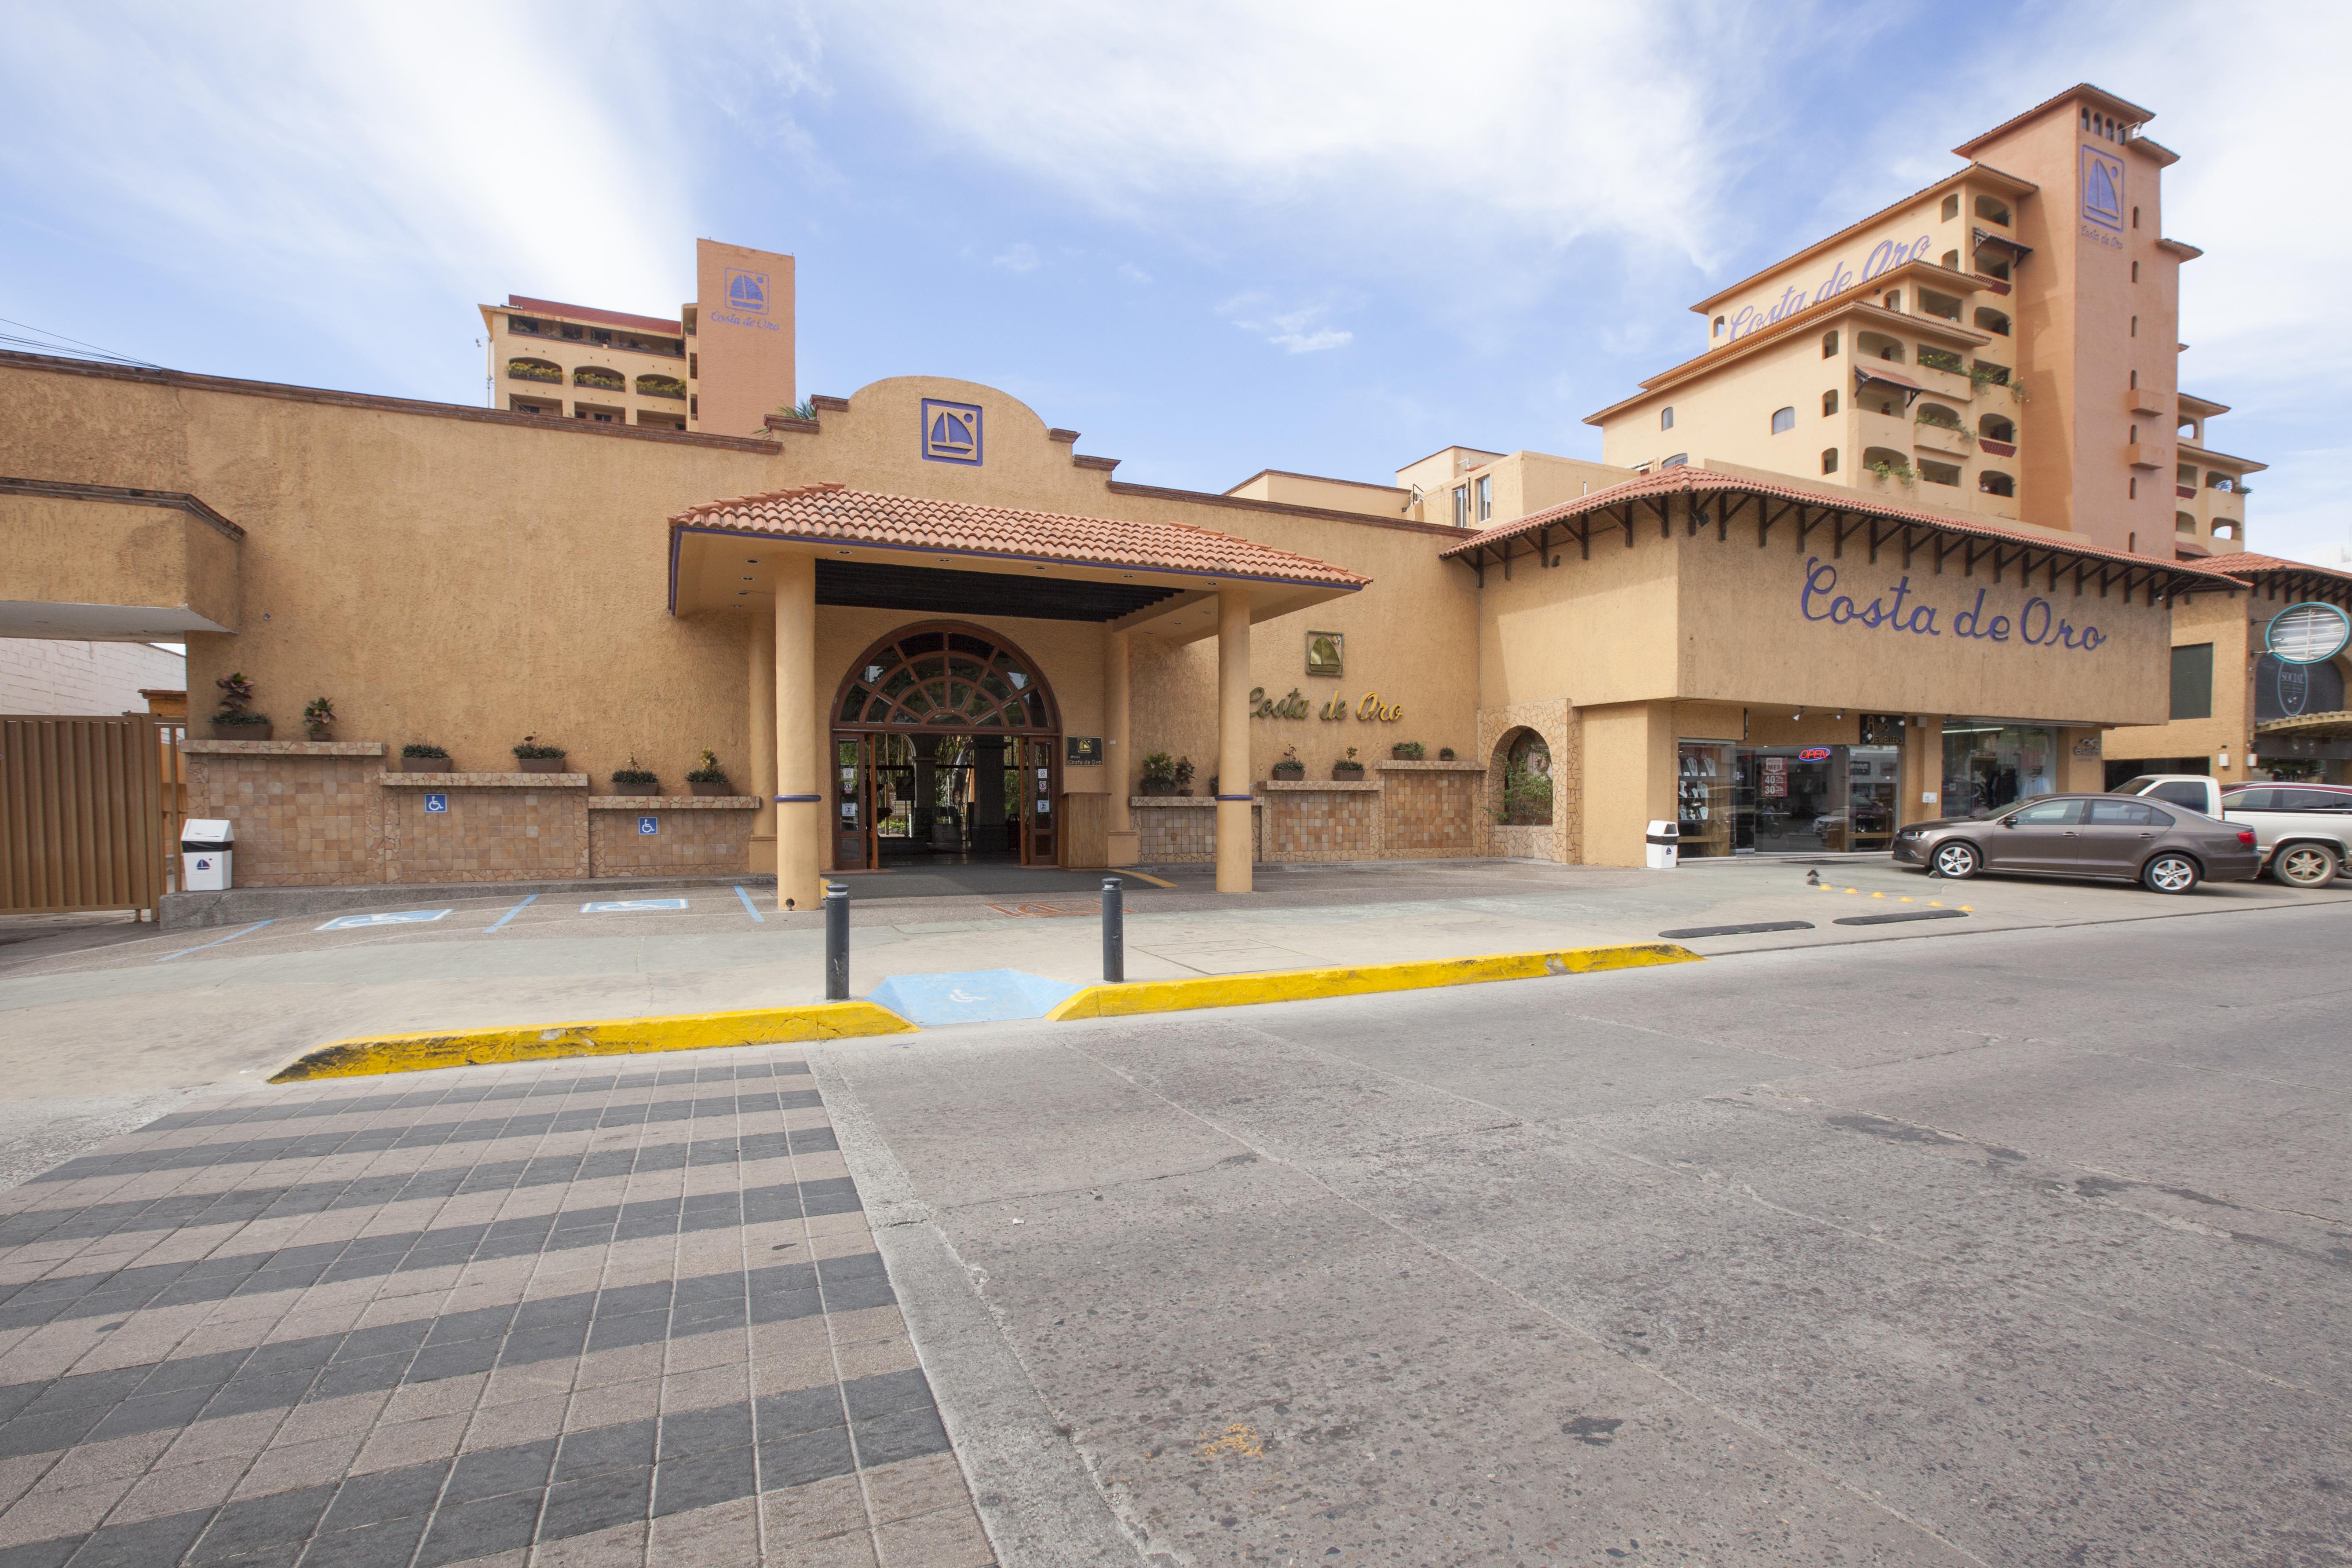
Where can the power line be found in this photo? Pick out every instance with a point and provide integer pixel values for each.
(53, 339)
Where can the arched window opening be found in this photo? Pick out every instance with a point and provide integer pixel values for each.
(1878, 345)
(1829, 459)
(1952, 260)
(1988, 321)
(1951, 207)
(2135, 271)
(1676, 462)
(2225, 531)
(1992, 211)
(1996, 427)
(2135, 381)
(2134, 218)
(1936, 413)
(597, 376)
(1719, 326)
(1526, 786)
(1887, 463)
(1895, 299)
(1991, 481)
(534, 370)
(1829, 403)
(658, 385)
(2184, 522)
(2218, 483)
(1783, 419)
(1830, 343)
(1666, 417)
(2134, 329)
(945, 676)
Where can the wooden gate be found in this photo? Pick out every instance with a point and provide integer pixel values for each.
(90, 812)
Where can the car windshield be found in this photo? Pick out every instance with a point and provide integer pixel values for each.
(2134, 786)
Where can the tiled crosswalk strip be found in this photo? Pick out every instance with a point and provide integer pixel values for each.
(375, 1140)
(640, 1318)
(237, 1205)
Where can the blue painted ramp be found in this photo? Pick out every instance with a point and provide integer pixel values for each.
(973, 997)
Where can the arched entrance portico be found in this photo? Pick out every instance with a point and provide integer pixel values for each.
(946, 743)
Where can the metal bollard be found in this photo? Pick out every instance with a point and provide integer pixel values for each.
(836, 941)
(1113, 933)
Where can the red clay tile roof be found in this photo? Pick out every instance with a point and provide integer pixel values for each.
(1686, 480)
(2245, 563)
(654, 324)
(833, 513)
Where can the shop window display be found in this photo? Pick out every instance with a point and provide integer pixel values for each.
(1703, 797)
(1989, 765)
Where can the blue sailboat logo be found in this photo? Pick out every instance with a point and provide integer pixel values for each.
(748, 290)
(950, 432)
(2103, 189)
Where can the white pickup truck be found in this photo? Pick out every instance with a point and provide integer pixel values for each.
(2304, 831)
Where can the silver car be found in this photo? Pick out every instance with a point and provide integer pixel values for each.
(2304, 831)
(2164, 848)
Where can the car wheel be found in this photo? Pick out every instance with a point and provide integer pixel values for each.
(2304, 866)
(1956, 862)
(2171, 873)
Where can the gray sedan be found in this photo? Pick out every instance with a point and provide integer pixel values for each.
(2166, 849)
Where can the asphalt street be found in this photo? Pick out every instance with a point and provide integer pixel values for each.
(2025, 1247)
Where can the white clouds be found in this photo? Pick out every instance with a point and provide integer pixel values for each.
(332, 160)
(1496, 123)
(1022, 257)
(1297, 331)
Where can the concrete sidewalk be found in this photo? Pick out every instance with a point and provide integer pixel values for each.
(105, 1011)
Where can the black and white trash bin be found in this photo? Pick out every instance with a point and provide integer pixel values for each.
(205, 846)
(1666, 846)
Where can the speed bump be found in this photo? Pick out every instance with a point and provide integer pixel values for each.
(595, 1037)
(1309, 984)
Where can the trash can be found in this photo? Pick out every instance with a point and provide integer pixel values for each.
(204, 846)
(1665, 845)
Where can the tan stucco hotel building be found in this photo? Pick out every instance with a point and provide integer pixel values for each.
(1927, 524)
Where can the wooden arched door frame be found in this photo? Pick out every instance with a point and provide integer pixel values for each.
(944, 678)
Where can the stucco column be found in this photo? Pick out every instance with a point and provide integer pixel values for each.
(762, 645)
(800, 808)
(1233, 740)
(1923, 771)
(1121, 845)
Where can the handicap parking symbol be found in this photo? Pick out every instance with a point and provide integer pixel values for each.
(436, 803)
(649, 824)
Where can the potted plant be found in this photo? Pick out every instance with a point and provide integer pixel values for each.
(1159, 775)
(1406, 751)
(1346, 767)
(1444, 753)
(425, 757)
(709, 778)
(532, 757)
(1290, 768)
(1184, 777)
(235, 720)
(631, 780)
(319, 720)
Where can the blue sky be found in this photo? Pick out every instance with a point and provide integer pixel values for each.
(1214, 237)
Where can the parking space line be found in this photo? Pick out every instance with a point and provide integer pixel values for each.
(749, 907)
(512, 914)
(216, 941)
(629, 906)
(394, 918)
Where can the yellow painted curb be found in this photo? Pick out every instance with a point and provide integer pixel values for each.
(597, 1038)
(1306, 984)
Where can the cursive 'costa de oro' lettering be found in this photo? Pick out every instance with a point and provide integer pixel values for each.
(2038, 625)
(1887, 255)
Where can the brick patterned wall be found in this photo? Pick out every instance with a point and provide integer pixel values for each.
(1172, 831)
(1429, 810)
(1335, 822)
(710, 836)
(302, 814)
(489, 833)
(1561, 839)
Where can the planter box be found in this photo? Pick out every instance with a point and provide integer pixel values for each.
(1342, 773)
(721, 788)
(1399, 754)
(426, 765)
(618, 788)
(538, 765)
(1156, 790)
(241, 731)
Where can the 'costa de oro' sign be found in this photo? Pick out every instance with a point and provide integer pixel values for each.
(2038, 623)
(1370, 707)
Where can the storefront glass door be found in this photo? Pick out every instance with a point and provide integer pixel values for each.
(1989, 765)
(1796, 800)
(1703, 802)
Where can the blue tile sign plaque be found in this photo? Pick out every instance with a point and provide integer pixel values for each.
(436, 803)
(649, 824)
(950, 432)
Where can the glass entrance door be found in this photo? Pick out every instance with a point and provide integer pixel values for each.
(853, 804)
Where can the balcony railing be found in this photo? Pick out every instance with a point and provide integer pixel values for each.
(518, 371)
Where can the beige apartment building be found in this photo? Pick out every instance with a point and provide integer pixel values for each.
(723, 365)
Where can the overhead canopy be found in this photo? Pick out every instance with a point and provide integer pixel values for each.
(943, 557)
(107, 563)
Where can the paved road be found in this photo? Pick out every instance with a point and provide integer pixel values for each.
(2017, 1248)
(570, 1314)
